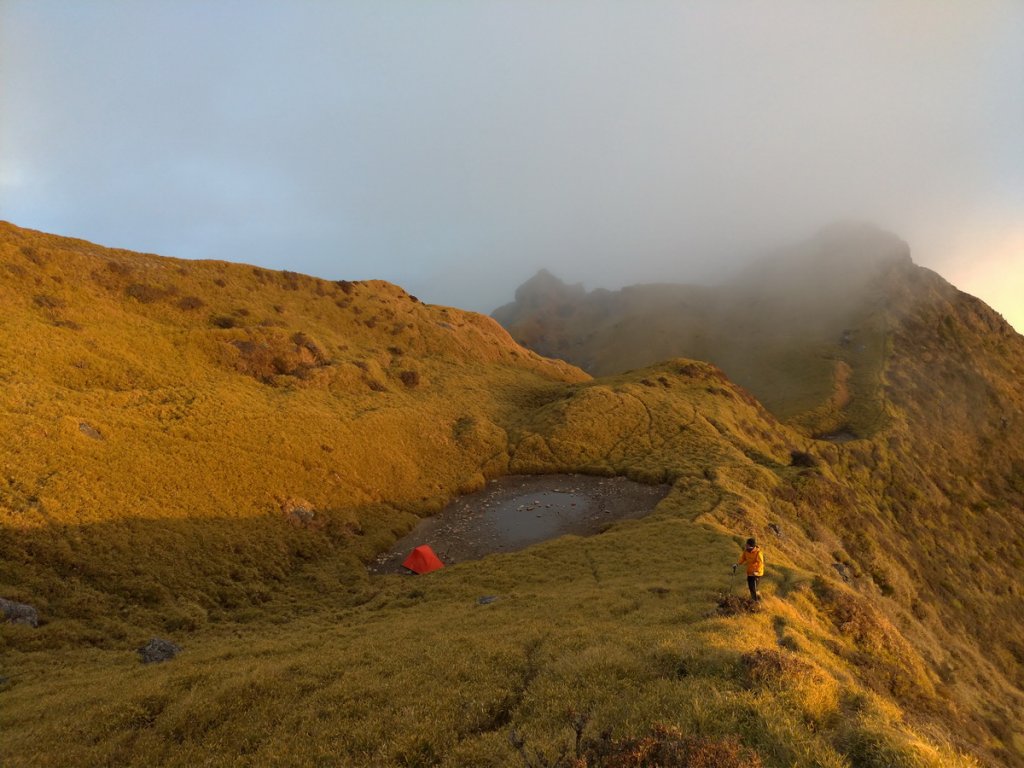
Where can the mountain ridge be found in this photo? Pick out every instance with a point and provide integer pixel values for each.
(801, 328)
(181, 483)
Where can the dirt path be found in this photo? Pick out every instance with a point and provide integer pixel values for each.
(514, 512)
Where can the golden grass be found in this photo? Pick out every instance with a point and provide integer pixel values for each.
(616, 626)
(249, 440)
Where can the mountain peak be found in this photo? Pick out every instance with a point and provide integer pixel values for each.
(544, 287)
(862, 240)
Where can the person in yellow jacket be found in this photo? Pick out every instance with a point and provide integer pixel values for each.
(754, 560)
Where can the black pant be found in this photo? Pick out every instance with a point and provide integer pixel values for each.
(752, 586)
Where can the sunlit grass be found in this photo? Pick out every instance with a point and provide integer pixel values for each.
(209, 452)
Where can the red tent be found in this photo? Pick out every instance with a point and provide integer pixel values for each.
(422, 560)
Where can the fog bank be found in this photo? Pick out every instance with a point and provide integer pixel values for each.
(455, 148)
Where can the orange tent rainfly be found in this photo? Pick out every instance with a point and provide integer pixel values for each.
(422, 560)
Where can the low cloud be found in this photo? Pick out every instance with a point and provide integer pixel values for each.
(456, 148)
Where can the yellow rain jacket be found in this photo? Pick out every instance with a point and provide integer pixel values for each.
(754, 560)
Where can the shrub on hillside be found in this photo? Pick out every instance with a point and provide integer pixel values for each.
(190, 302)
(877, 746)
(144, 293)
(667, 748)
(664, 747)
(852, 615)
(302, 341)
(267, 354)
(734, 605)
(768, 667)
(48, 302)
(32, 254)
(801, 459)
(223, 321)
(888, 662)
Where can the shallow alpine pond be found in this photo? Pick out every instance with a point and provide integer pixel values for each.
(516, 511)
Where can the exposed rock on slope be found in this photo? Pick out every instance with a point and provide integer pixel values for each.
(19, 613)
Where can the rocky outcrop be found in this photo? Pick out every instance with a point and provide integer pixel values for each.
(157, 650)
(19, 613)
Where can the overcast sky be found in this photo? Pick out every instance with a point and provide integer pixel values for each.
(456, 147)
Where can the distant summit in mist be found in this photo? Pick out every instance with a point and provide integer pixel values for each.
(804, 329)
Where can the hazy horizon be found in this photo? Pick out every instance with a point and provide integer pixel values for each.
(455, 149)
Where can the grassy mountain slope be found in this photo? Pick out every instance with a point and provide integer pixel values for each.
(212, 462)
(156, 406)
(927, 510)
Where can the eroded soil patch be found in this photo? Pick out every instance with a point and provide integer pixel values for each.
(514, 512)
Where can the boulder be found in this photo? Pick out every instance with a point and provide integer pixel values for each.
(302, 514)
(157, 650)
(89, 430)
(19, 613)
(842, 570)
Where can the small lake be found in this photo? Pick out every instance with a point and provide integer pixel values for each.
(513, 512)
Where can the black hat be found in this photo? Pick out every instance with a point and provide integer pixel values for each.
(751, 542)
